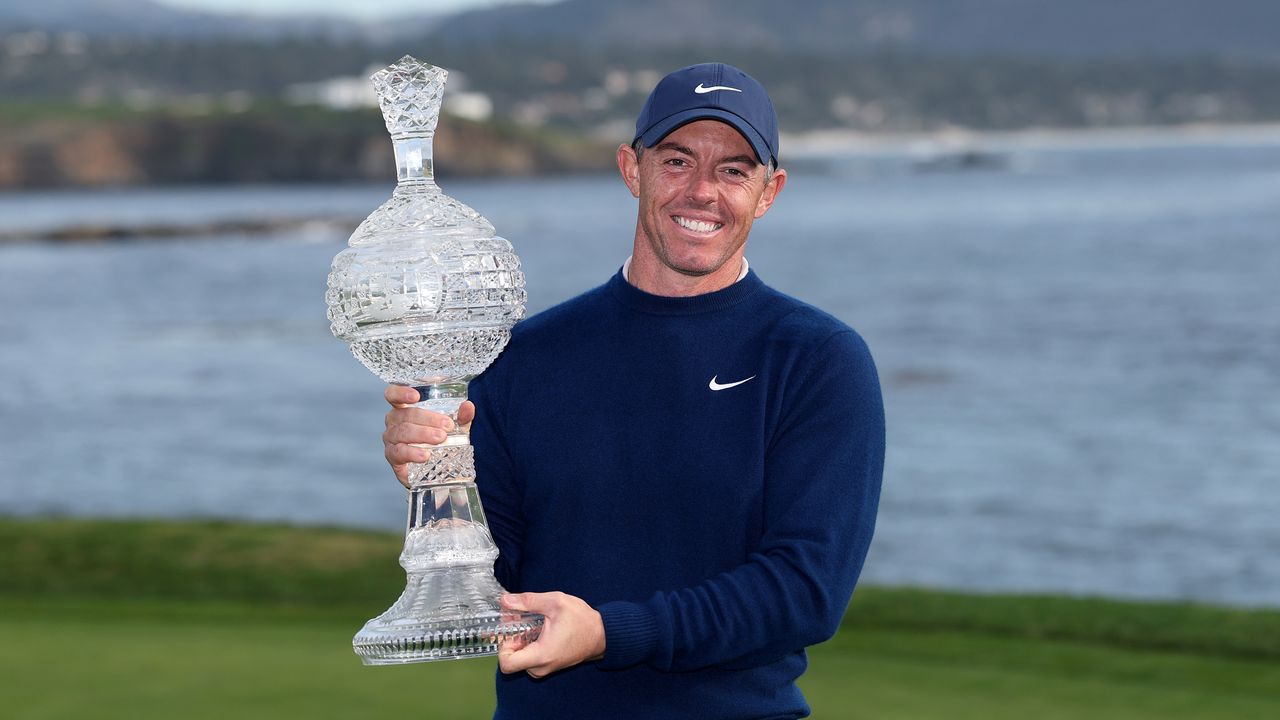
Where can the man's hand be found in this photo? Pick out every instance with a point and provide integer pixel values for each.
(409, 427)
(573, 633)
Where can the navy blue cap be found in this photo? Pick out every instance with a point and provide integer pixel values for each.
(716, 91)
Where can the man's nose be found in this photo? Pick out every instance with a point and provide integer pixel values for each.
(702, 188)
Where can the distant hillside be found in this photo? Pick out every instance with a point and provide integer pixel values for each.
(1244, 29)
(1054, 28)
(130, 91)
(263, 146)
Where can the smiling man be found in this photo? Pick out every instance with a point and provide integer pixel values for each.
(681, 468)
(700, 189)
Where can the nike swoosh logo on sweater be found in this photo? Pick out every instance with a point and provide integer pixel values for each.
(725, 386)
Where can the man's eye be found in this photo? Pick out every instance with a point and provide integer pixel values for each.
(675, 161)
(735, 172)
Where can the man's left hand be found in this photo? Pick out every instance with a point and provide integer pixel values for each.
(572, 633)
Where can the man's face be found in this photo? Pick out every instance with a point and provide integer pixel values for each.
(700, 188)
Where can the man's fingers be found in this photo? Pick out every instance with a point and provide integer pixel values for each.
(543, 603)
(399, 395)
(402, 474)
(516, 655)
(418, 416)
(406, 433)
(571, 633)
(527, 658)
(466, 412)
(522, 602)
(403, 454)
(408, 428)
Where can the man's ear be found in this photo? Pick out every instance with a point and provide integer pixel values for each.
(629, 166)
(771, 190)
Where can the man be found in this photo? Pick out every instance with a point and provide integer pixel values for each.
(681, 468)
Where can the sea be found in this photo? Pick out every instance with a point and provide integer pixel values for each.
(1078, 341)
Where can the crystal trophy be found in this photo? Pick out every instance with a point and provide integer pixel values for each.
(426, 295)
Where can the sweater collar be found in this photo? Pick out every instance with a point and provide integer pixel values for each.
(637, 299)
(626, 269)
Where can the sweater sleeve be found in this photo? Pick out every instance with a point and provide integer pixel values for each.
(823, 470)
(496, 482)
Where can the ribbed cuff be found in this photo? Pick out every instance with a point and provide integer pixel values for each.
(630, 632)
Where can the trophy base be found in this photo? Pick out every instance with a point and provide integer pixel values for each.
(381, 643)
(445, 614)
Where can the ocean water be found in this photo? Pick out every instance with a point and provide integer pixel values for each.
(1080, 352)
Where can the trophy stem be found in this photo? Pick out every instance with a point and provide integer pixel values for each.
(413, 160)
(445, 398)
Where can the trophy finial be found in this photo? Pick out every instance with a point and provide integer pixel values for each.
(410, 92)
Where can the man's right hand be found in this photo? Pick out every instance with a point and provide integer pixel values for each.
(409, 427)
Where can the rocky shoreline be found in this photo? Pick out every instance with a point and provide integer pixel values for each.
(101, 233)
(268, 147)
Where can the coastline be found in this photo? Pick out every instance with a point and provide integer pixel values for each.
(99, 233)
(843, 142)
(947, 150)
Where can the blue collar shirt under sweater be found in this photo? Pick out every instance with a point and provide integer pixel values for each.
(704, 471)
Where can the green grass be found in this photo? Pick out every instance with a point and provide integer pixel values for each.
(1188, 627)
(159, 620)
(899, 674)
(197, 560)
(169, 659)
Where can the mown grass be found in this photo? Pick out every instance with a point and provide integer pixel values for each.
(197, 560)
(158, 619)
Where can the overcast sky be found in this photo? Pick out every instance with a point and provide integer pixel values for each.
(350, 8)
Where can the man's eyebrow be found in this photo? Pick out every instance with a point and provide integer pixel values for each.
(676, 147)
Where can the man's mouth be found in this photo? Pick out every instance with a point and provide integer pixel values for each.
(699, 226)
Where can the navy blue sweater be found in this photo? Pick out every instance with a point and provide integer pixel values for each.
(717, 531)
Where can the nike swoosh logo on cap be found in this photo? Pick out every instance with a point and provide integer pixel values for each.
(702, 90)
(725, 386)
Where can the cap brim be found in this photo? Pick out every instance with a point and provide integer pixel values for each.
(667, 125)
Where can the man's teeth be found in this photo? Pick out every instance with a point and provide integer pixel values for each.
(697, 225)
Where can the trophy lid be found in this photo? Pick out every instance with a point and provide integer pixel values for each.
(410, 92)
(418, 215)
